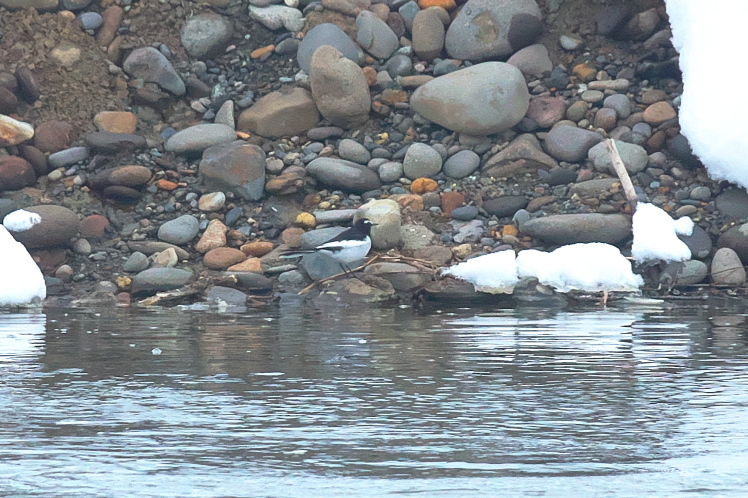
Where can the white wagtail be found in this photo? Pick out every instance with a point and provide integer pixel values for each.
(347, 247)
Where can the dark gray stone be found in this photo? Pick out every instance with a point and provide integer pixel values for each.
(155, 280)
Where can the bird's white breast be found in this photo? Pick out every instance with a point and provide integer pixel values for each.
(347, 251)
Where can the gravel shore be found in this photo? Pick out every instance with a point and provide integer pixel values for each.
(175, 149)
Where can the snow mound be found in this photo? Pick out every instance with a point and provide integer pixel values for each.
(711, 120)
(589, 267)
(495, 273)
(21, 220)
(21, 280)
(656, 235)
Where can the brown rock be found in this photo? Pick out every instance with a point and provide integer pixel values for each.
(8, 101)
(539, 202)
(423, 185)
(287, 112)
(15, 173)
(251, 265)
(392, 96)
(59, 225)
(53, 136)
(285, 184)
(658, 113)
(428, 34)
(214, 237)
(652, 96)
(121, 193)
(8, 81)
(257, 248)
(605, 118)
(292, 236)
(655, 142)
(546, 111)
(111, 19)
(49, 259)
(116, 122)
(28, 87)
(36, 157)
(451, 201)
(221, 258)
(371, 75)
(131, 175)
(94, 226)
(438, 255)
(585, 72)
(339, 88)
(410, 201)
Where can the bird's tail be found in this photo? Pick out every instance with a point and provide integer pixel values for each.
(296, 253)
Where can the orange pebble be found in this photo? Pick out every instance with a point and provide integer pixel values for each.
(371, 75)
(166, 185)
(444, 4)
(423, 185)
(256, 54)
(510, 230)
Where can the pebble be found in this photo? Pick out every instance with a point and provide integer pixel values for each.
(353, 151)
(212, 202)
(463, 163)
(153, 280)
(421, 161)
(592, 96)
(465, 213)
(199, 137)
(727, 269)
(180, 230)
(67, 157)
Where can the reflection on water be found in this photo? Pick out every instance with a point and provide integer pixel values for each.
(304, 402)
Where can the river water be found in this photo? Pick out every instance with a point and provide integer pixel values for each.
(639, 400)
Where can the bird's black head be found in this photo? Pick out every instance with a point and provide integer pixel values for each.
(363, 225)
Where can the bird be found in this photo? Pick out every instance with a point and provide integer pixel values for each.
(21, 280)
(347, 247)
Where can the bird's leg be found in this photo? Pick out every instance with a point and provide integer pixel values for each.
(605, 298)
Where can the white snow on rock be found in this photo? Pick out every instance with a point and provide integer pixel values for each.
(656, 235)
(21, 280)
(706, 34)
(21, 220)
(587, 267)
(495, 273)
(590, 267)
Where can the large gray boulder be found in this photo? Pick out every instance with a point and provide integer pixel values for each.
(487, 29)
(492, 97)
(339, 88)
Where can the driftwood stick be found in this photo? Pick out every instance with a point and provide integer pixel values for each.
(623, 175)
(333, 277)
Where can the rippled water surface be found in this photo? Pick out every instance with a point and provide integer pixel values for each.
(300, 402)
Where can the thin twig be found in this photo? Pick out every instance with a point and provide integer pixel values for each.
(623, 175)
(333, 277)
